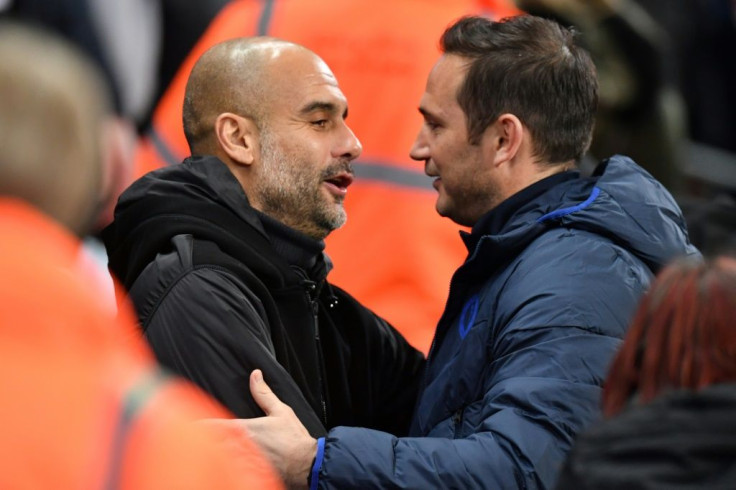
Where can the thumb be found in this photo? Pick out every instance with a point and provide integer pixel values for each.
(262, 394)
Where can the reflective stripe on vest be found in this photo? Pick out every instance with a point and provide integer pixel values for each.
(133, 402)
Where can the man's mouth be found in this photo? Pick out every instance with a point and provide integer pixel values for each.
(339, 183)
(432, 173)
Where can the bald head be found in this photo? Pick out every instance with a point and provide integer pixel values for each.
(233, 76)
(53, 104)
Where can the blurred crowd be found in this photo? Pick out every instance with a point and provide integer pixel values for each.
(667, 73)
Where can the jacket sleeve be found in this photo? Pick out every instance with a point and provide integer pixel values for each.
(209, 328)
(527, 424)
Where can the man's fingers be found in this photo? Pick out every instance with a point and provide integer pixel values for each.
(262, 394)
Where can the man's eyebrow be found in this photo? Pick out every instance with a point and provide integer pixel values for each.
(317, 105)
(426, 113)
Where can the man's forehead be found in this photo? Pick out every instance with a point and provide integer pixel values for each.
(443, 83)
(323, 99)
(302, 82)
(448, 72)
(290, 60)
(320, 76)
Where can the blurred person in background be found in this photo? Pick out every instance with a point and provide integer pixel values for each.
(122, 38)
(670, 396)
(137, 44)
(395, 255)
(84, 403)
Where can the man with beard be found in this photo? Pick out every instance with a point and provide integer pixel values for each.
(223, 254)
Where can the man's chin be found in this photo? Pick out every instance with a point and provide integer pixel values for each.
(338, 223)
(442, 209)
(447, 212)
(332, 223)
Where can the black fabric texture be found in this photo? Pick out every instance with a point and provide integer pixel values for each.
(682, 440)
(216, 300)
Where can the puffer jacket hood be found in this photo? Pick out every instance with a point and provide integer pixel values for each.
(628, 206)
(620, 201)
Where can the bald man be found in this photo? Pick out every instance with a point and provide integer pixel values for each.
(223, 254)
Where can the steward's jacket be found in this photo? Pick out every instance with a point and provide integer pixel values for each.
(380, 54)
(84, 405)
(533, 318)
(216, 301)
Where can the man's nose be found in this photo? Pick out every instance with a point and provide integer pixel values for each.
(419, 150)
(349, 146)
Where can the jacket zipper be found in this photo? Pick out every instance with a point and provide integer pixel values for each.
(311, 287)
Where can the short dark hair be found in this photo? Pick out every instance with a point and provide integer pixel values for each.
(530, 67)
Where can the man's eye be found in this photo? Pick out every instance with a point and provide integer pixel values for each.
(320, 123)
(432, 125)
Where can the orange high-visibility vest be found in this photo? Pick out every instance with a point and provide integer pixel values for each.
(395, 255)
(84, 405)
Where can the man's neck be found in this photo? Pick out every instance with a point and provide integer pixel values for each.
(531, 173)
(493, 222)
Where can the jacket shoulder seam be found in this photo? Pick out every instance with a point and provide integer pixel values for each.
(176, 281)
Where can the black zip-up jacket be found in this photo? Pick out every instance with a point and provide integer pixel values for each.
(216, 300)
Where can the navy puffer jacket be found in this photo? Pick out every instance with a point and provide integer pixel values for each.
(532, 321)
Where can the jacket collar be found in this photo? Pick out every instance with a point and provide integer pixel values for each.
(493, 222)
(296, 248)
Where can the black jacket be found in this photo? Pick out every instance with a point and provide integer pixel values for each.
(216, 301)
(681, 440)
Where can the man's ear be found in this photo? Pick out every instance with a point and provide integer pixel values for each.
(506, 135)
(238, 137)
(118, 148)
